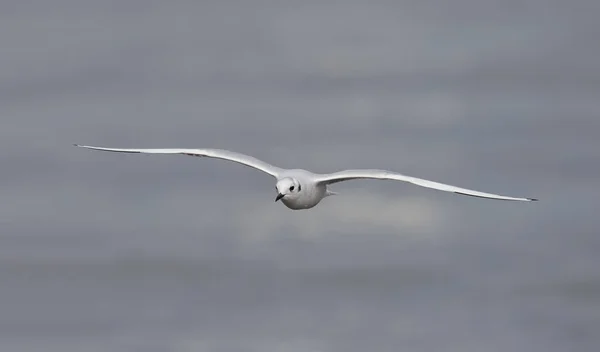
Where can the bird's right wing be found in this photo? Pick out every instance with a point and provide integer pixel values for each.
(210, 153)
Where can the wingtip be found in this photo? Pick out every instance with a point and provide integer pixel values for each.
(532, 199)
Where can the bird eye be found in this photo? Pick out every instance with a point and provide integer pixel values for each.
(292, 188)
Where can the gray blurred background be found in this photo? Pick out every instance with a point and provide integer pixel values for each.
(118, 252)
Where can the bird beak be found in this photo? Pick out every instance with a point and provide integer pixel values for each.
(279, 196)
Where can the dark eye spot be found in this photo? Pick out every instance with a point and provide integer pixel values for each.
(292, 188)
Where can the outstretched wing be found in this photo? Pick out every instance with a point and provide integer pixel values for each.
(209, 153)
(388, 175)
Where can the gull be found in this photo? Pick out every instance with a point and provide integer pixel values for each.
(301, 189)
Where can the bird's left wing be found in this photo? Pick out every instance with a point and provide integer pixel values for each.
(388, 175)
(210, 153)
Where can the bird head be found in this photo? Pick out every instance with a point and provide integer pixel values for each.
(287, 187)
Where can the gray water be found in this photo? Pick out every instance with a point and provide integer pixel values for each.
(117, 252)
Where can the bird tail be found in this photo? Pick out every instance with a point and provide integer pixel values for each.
(330, 193)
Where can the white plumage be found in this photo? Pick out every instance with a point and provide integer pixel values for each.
(301, 189)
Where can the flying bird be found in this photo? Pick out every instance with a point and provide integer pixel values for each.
(301, 189)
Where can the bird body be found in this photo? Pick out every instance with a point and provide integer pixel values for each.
(301, 189)
(297, 189)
